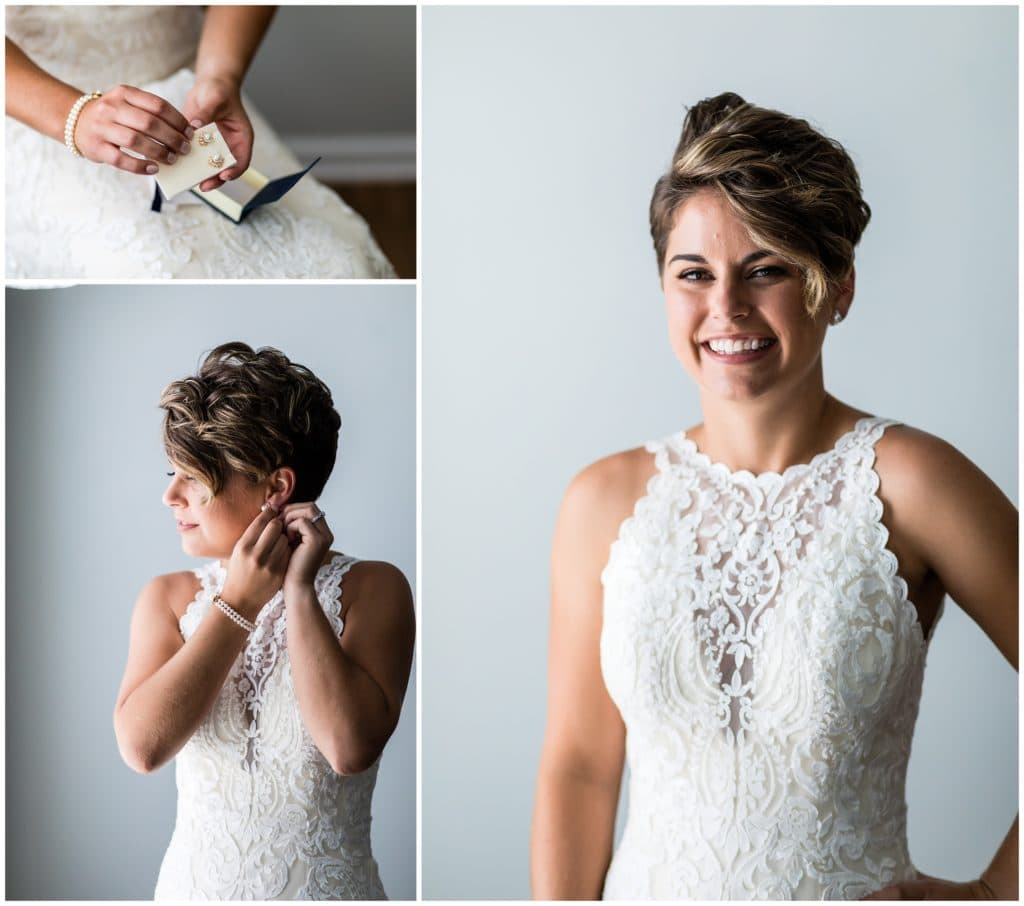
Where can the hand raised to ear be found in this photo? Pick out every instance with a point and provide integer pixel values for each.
(311, 538)
(258, 564)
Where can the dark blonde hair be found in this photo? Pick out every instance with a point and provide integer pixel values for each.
(251, 411)
(796, 190)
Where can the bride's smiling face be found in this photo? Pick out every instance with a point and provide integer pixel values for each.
(736, 313)
(210, 526)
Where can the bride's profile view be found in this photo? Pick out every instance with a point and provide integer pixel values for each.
(274, 672)
(102, 98)
(741, 612)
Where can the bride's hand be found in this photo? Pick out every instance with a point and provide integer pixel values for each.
(219, 100)
(127, 117)
(928, 888)
(258, 564)
(311, 539)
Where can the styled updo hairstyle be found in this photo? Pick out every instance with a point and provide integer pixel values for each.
(796, 190)
(251, 411)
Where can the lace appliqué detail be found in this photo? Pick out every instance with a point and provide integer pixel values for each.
(261, 814)
(767, 662)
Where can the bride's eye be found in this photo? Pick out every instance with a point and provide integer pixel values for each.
(695, 275)
(768, 270)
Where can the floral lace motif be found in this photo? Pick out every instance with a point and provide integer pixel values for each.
(768, 664)
(68, 217)
(261, 814)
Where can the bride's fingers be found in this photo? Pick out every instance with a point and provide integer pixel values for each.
(298, 508)
(151, 126)
(315, 517)
(158, 107)
(301, 527)
(110, 154)
(129, 140)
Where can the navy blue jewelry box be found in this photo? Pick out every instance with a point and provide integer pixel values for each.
(238, 198)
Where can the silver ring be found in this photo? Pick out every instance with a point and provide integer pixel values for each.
(317, 517)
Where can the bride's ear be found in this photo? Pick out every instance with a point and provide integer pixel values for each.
(280, 486)
(844, 295)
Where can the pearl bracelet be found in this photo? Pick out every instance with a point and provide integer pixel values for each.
(232, 614)
(72, 121)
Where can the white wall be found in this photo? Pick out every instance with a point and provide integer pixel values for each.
(544, 130)
(340, 82)
(86, 530)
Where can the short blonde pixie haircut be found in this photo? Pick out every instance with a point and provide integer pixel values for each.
(251, 411)
(796, 190)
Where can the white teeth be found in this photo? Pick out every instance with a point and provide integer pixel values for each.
(731, 347)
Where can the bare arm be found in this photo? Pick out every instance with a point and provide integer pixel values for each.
(965, 529)
(350, 693)
(170, 685)
(125, 117)
(584, 744)
(34, 97)
(350, 690)
(230, 37)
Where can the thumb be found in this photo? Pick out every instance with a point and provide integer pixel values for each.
(197, 114)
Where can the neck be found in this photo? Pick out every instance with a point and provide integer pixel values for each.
(772, 432)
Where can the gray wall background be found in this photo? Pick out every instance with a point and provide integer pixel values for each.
(338, 69)
(86, 530)
(544, 346)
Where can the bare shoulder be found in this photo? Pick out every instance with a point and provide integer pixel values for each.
(598, 500)
(916, 467)
(607, 490)
(936, 496)
(168, 593)
(378, 579)
(382, 583)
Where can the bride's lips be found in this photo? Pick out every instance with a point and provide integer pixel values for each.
(186, 526)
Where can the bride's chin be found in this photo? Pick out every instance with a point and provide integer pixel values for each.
(195, 547)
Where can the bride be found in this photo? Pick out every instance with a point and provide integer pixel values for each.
(275, 672)
(95, 81)
(743, 610)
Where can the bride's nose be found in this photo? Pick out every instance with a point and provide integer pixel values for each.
(172, 495)
(727, 300)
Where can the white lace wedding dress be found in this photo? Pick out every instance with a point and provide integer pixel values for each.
(261, 814)
(767, 663)
(68, 217)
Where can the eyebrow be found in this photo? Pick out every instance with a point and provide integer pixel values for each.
(700, 259)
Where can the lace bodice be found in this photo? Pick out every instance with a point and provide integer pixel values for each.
(767, 664)
(261, 814)
(102, 46)
(68, 217)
